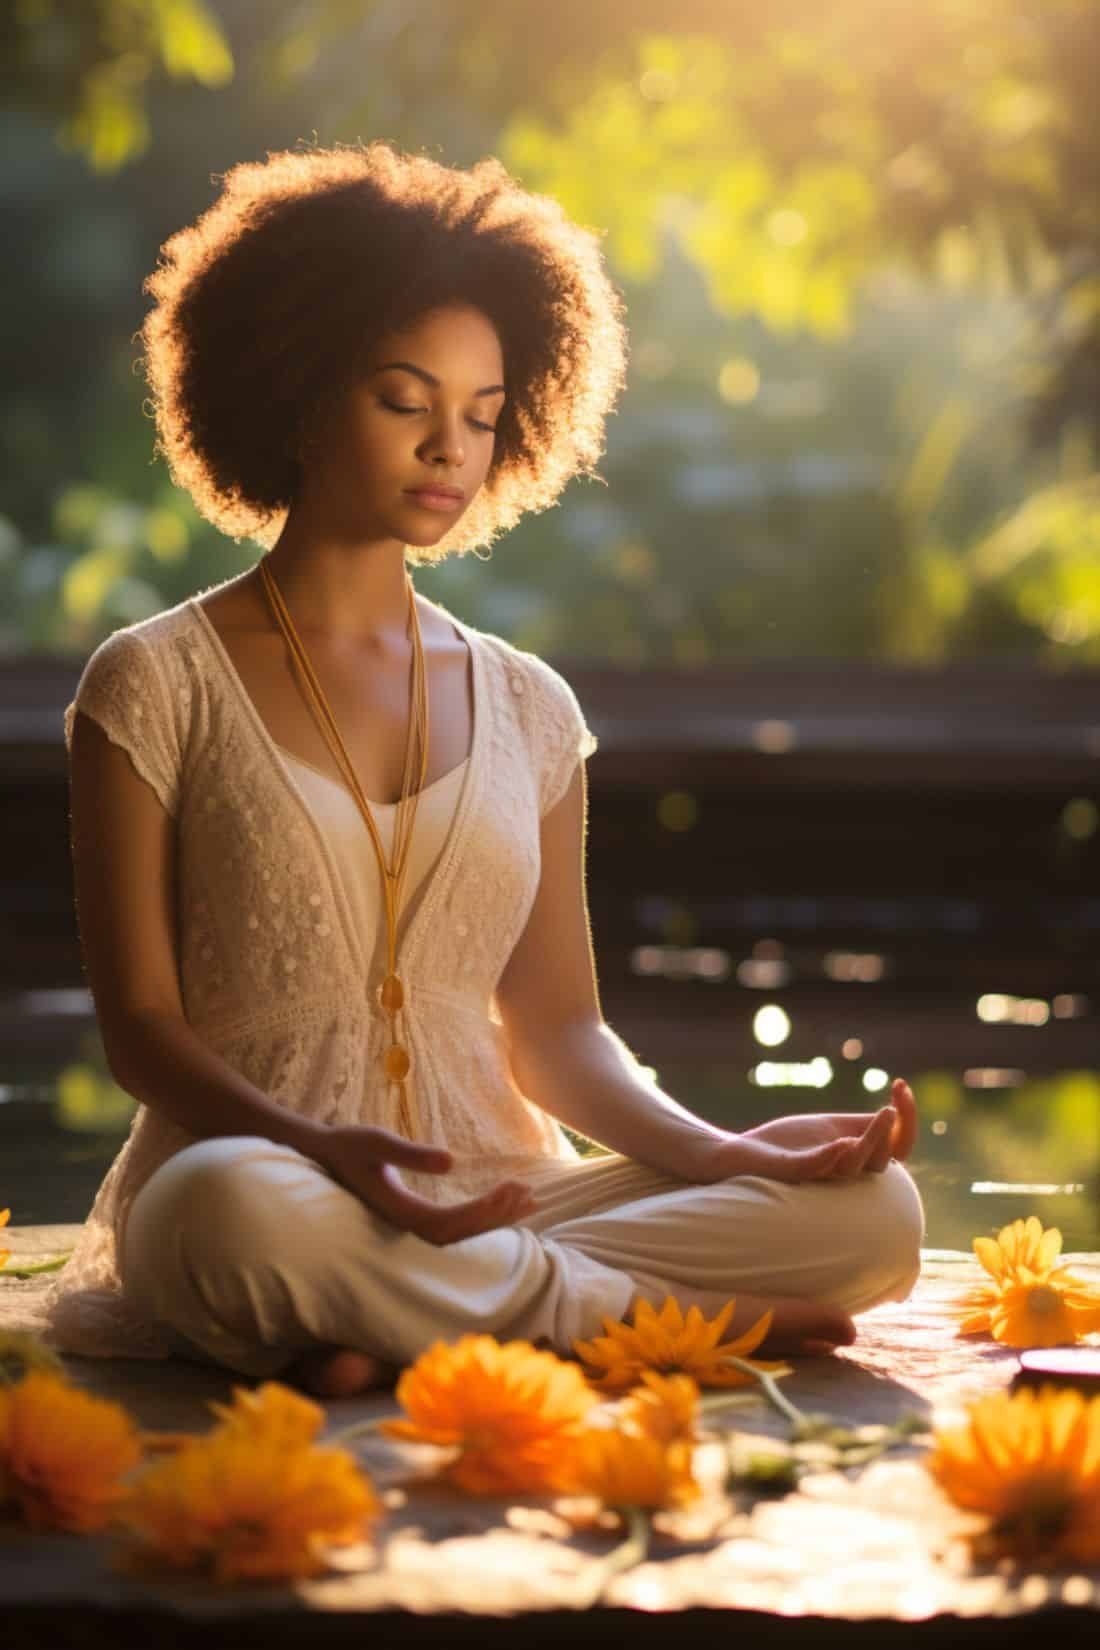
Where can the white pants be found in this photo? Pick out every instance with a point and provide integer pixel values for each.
(247, 1253)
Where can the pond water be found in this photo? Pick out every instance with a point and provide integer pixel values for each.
(983, 1158)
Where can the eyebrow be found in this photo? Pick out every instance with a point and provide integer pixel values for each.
(429, 378)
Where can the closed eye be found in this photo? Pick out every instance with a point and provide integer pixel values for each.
(393, 407)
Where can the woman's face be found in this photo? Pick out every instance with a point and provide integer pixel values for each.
(422, 416)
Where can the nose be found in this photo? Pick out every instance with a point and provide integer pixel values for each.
(443, 444)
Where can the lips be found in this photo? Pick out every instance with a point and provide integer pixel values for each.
(435, 492)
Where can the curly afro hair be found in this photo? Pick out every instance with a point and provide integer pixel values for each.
(269, 304)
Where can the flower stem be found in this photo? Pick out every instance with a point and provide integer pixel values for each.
(360, 1429)
(783, 1405)
(623, 1557)
(33, 1271)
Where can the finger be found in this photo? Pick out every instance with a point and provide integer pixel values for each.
(392, 1198)
(874, 1147)
(826, 1162)
(410, 1154)
(851, 1160)
(482, 1214)
(905, 1104)
(882, 1150)
(437, 1223)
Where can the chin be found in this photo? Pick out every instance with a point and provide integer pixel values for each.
(424, 540)
(427, 533)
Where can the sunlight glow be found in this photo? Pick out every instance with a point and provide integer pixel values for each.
(675, 962)
(995, 1008)
(993, 1077)
(813, 1074)
(771, 1025)
(773, 737)
(1029, 1188)
(763, 973)
(853, 965)
(738, 381)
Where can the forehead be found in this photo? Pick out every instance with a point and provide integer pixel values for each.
(453, 340)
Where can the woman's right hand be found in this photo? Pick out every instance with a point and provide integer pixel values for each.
(365, 1160)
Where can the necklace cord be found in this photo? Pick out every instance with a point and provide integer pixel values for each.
(416, 740)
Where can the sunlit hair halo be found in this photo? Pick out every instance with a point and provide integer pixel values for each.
(267, 306)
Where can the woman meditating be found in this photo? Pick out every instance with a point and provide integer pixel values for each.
(329, 839)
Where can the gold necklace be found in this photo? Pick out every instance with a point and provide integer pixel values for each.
(392, 993)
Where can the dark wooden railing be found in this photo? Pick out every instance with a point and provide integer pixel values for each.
(762, 834)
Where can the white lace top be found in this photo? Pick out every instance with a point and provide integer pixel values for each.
(277, 952)
(337, 812)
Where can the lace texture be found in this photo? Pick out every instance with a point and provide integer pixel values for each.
(274, 976)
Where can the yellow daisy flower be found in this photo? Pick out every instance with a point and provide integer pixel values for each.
(1022, 1243)
(1029, 1301)
(63, 1454)
(664, 1407)
(5, 1216)
(630, 1470)
(672, 1344)
(1053, 1312)
(231, 1506)
(1031, 1462)
(510, 1410)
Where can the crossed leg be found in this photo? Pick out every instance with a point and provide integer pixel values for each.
(800, 1325)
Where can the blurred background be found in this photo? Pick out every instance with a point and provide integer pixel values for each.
(833, 610)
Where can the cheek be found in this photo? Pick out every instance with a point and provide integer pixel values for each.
(377, 445)
(491, 453)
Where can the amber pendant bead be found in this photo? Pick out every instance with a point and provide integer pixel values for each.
(393, 993)
(397, 1062)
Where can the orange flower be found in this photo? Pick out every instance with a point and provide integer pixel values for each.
(63, 1454)
(672, 1344)
(632, 1470)
(510, 1410)
(230, 1505)
(1031, 1462)
(274, 1412)
(1029, 1301)
(5, 1216)
(664, 1407)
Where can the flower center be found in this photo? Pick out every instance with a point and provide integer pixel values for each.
(1043, 1299)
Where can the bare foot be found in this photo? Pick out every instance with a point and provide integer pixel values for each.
(339, 1372)
(905, 1130)
(797, 1326)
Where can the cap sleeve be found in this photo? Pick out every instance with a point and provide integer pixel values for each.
(122, 690)
(564, 737)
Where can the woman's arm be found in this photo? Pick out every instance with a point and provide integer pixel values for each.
(571, 1063)
(123, 847)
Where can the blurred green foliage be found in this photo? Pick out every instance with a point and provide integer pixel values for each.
(861, 255)
(90, 64)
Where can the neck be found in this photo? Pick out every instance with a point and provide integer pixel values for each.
(344, 592)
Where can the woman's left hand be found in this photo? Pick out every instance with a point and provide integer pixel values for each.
(818, 1128)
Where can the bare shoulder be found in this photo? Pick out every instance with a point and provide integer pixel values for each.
(235, 605)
